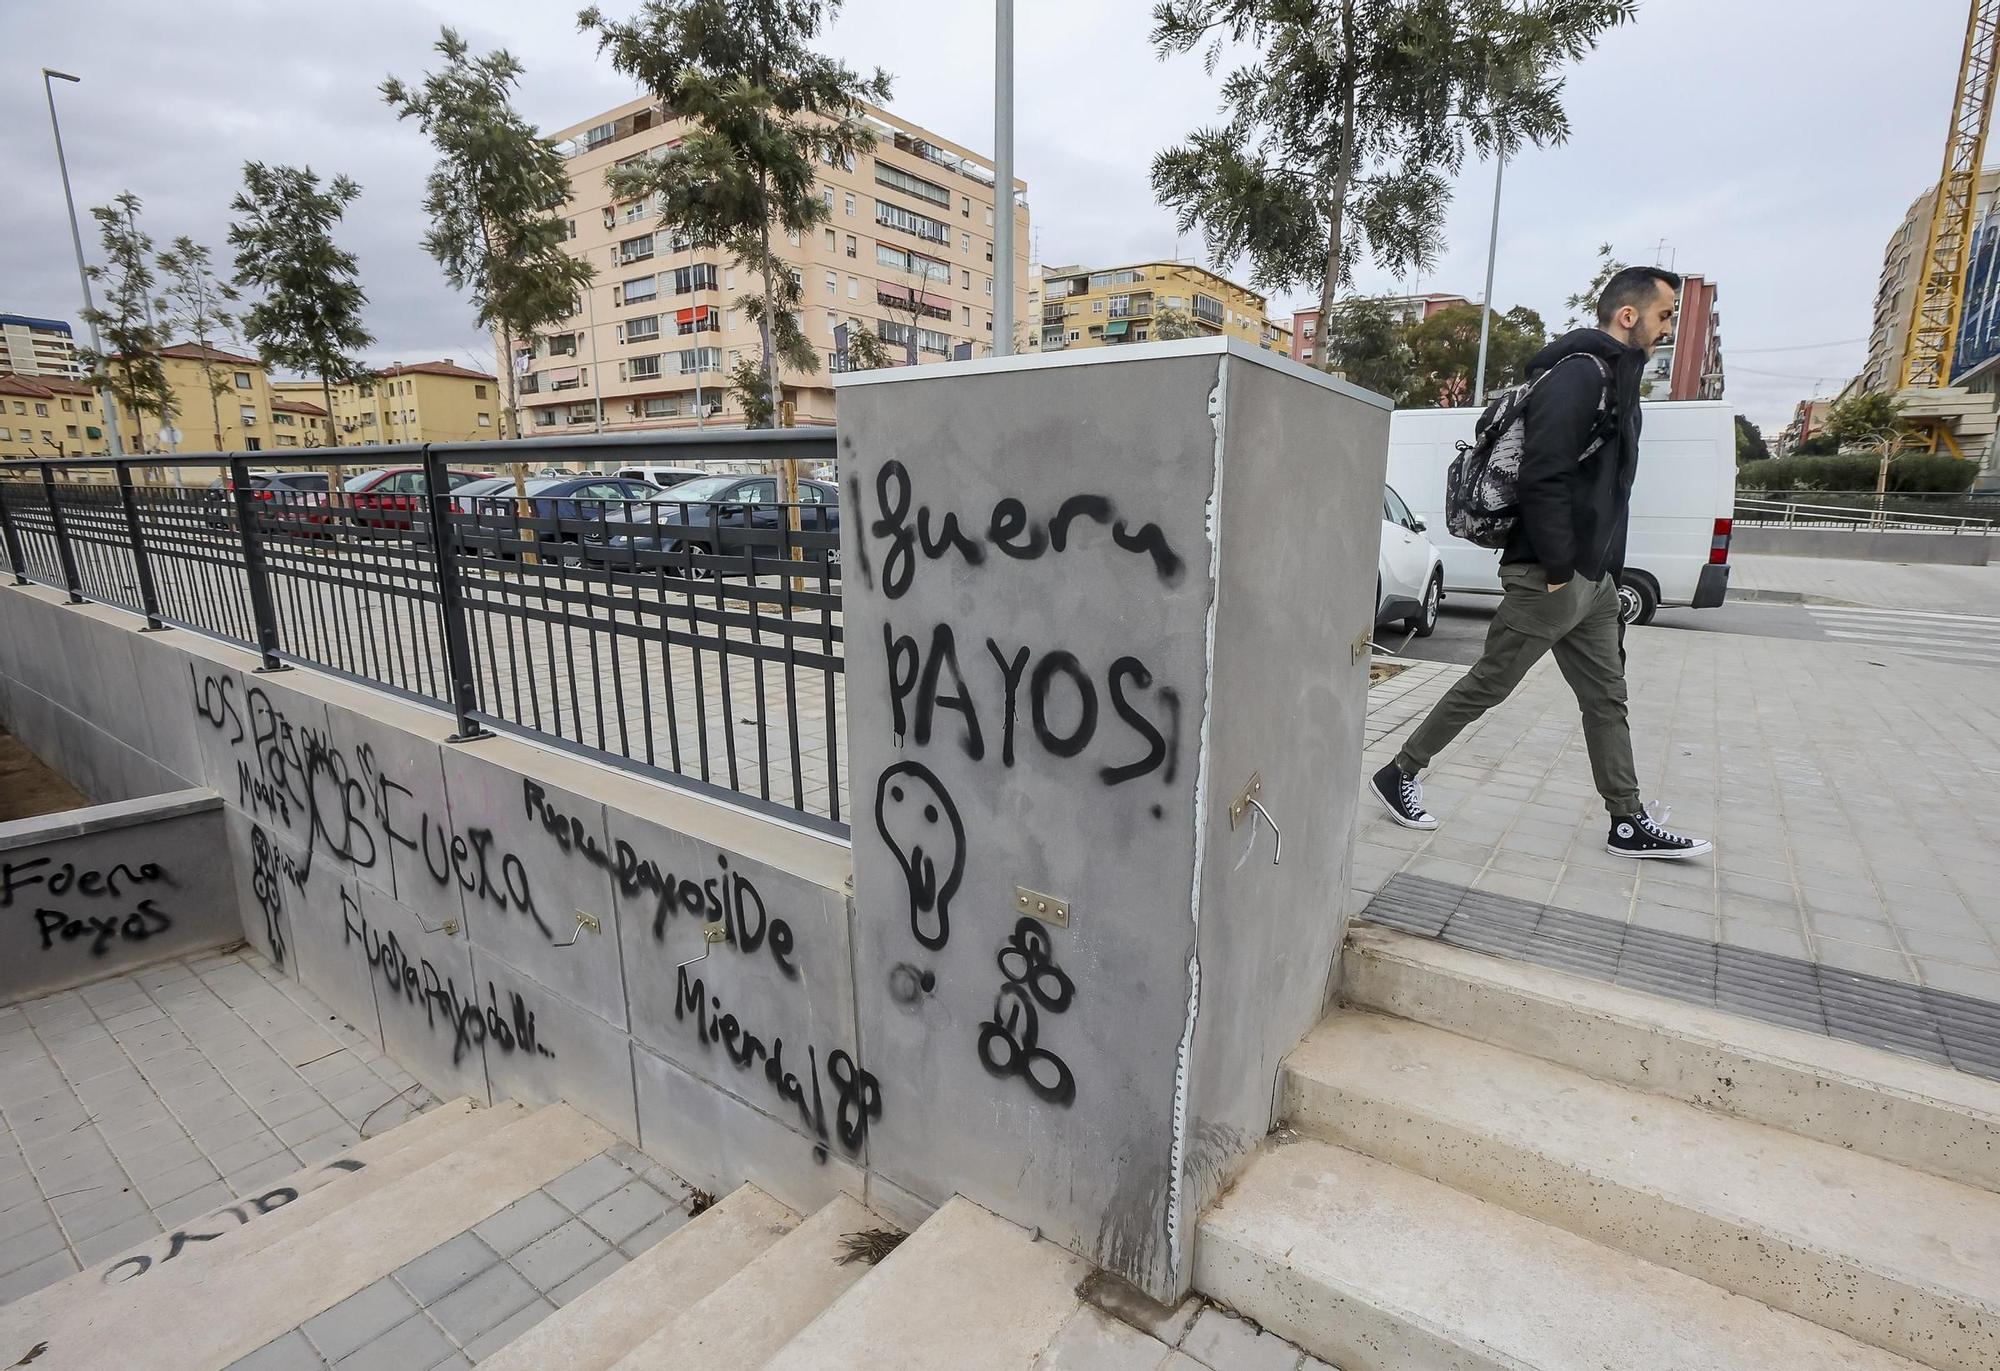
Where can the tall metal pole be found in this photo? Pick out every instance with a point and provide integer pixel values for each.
(104, 400)
(1003, 178)
(700, 410)
(1486, 308)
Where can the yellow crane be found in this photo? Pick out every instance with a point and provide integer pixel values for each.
(1934, 322)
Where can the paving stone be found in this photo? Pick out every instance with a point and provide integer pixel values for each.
(446, 1267)
(1092, 1341)
(359, 1319)
(652, 1233)
(508, 1329)
(1222, 1340)
(289, 1353)
(586, 1278)
(555, 1257)
(414, 1342)
(584, 1185)
(482, 1303)
(625, 1211)
(116, 1239)
(520, 1223)
(32, 1277)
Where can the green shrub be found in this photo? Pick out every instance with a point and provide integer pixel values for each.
(1919, 472)
(1911, 473)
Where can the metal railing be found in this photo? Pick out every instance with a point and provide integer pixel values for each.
(700, 641)
(1795, 514)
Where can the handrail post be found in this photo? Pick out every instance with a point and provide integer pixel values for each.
(15, 558)
(65, 554)
(149, 595)
(262, 609)
(451, 599)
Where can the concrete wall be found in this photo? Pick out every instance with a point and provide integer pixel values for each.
(1936, 549)
(1091, 598)
(422, 889)
(97, 891)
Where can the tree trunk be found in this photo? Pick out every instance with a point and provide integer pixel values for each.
(512, 421)
(214, 405)
(1343, 179)
(333, 477)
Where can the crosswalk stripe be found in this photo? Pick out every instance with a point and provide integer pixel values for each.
(1943, 634)
(1956, 659)
(1862, 612)
(1917, 640)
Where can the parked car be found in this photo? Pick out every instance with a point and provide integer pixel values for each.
(1409, 575)
(384, 497)
(289, 489)
(661, 476)
(570, 505)
(715, 513)
(465, 499)
(1683, 503)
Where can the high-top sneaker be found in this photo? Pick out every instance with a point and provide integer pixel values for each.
(1640, 835)
(1402, 797)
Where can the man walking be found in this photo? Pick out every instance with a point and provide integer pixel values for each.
(1559, 571)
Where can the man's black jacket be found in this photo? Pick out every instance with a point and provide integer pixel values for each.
(1573, 514)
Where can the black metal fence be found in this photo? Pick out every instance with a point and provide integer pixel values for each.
(696, 638)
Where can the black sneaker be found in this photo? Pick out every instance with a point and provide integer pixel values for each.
(1640, 835)
(1400, 795)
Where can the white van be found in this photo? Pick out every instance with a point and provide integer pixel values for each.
(1683, 502)
(662, 476)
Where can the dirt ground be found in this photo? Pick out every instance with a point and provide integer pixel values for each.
(27, 786)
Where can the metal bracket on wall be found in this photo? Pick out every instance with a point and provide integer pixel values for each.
(1047, 908)
(1239, 808)
(583, 921)
(1362, 642)
(711, 934)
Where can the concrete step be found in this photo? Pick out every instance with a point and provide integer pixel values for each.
(738, 1325)
(253, 1222)
(1886, 1254)
(620, 1312)
(1374, 1269)
(1888, 1106)
(191, 1316)
(967, 1290)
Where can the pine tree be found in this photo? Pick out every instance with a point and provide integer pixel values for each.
(494, 198)
(197, 306)
(308, 314)
(130, 366)
(1342, 133)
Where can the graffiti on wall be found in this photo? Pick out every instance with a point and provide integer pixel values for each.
(1058, 708)
(84, 906)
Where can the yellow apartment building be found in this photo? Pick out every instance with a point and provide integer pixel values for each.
(238, 420)
(295, 422)
(410, 402)
(907, 253)
(1105, 306)
(43, 418)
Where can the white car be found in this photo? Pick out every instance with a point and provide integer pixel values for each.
(1409, 577)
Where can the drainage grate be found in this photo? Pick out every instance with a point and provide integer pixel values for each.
(1951, 1030)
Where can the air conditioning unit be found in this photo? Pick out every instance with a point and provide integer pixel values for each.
(631, 409)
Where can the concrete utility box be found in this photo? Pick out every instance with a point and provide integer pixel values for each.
(1091, 602)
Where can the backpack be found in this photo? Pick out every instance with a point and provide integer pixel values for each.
(1482, 489)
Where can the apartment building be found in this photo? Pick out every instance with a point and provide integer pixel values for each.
(47, 417)
(1688, 365)
(237, 420)
(410, 402)
(1401, 309)
(906, 252)
(1901, 278)
(1107, 306)
(38, 347)
(295, 422)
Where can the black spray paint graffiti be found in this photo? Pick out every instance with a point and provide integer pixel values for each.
(1062, 696)
(66, 881)
(729, 897)
(271, 870)
(419, 983)
(919, 822)
(244, 1211)
(857, 1094)
(297, 778)
(1009, 528)
(1010, 1042)
(135, 927)
(97, 882)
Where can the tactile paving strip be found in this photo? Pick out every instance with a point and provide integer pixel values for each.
(1951, 1030)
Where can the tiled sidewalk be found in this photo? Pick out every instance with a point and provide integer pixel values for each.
(1888, 585)
(136, 1103)
(1853, 793)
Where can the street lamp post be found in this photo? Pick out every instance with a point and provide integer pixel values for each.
(1003, 178)
(104, 399)
(1486, 306)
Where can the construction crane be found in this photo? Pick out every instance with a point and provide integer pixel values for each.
(1934, 322)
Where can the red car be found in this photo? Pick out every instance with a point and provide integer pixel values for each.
(383, 498)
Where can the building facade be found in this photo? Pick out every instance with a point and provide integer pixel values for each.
(43, 418)
(906, 252)
(1105, 306)
(1901, 279)
(410, 402)
(38, 347)
(295, 422)
(1688, 366)
(236, 420)
(1403, 309)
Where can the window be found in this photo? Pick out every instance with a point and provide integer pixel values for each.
(569, 229)
(896, 217)
(1208, 308)
(730, 321)
(6, 435)
(559, 345)
(967, 320)
(479, 392)
(243, 380)
(582, 414)
(826, 197)
(661, 407)
(706, 319)
(1097, 307)
(253, 444)
(832, 239)
(966, 282)
(850, 204)
(544, 417)
(700, 276)
(20, 407)
(897, 179)
(67, 405)
(967, 210)
(41, 411)
(367, 390)
(641, 288)
(72, 431)
(832, 321)
(644, 327)
(729, 279)
(989, 216)
(853, 288)
(635, 249)
(485, 420)
(1074, 335)
(850, 246)
(833, 283)
(598, 136)
(249, 413)
(965, 242)
(989, 285)
(793, 236)
(86, 406)
(642, 368)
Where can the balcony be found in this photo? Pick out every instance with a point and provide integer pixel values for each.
(1139, 307)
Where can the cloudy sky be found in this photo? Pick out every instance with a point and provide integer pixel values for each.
(1769, 144)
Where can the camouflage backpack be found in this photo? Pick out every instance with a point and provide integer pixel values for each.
(1482, 490)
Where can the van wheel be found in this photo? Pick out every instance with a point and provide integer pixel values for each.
(1425, 621)
(1638, 598)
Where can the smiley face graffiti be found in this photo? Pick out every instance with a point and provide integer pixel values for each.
(916, 817)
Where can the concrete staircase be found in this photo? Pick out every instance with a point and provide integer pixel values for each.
(1492, 1165)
